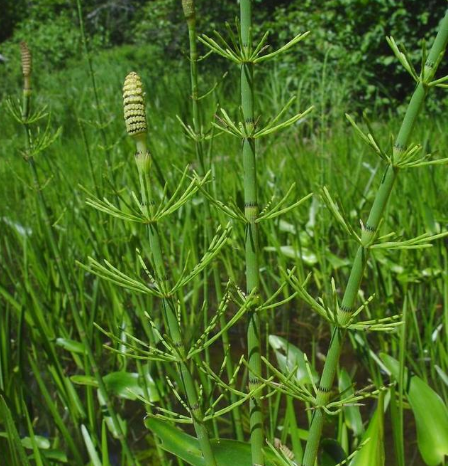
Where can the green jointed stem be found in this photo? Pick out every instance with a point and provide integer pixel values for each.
(43, 210)
(135, 119)
(170, 316)
(251, 236)
(362, 255)
(189, 13)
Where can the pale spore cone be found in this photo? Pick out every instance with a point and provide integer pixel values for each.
(134, 105)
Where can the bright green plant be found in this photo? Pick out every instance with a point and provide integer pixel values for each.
(46, 376)
(403, 155)
(242, 51)
(134, 110)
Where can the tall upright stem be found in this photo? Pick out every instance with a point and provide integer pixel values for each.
(251, 235)
(190, 15)
(169, 307)
(362, 254)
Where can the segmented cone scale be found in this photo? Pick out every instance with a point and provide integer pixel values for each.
(134, 105)
(26, 59)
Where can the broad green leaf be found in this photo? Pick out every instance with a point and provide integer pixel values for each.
(352, 414)
(122, 384)
(288, 357)
(41, 442)
(125, 384)
(71, 345)
(307, 256)
(87, 380)
(372, 452)
(335, 261)
(305, 238)
(287, 227)
(429, 412)
(227, 452)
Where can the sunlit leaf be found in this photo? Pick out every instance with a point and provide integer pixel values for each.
(372, 452)
(306, 255)
(41, 442)
(122, 384)
(71, 345)
(226, 452)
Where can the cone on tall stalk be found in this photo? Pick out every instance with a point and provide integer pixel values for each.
(135, 120)
(26, 61)
(42, 141)
(346, 309)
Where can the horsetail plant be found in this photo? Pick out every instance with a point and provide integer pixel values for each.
(241, 51)
(35, 145)
(136, 125)
(135, 119)
(402, 156)
(251, 235)
(184, 354)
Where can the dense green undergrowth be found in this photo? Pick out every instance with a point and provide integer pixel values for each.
(92, 154)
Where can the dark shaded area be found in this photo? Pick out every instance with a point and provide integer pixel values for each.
(347, 35)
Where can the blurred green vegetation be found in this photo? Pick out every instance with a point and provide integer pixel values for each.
(347, 35)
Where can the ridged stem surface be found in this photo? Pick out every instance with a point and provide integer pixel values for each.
(170, 314)
(362, 254)
(251, 236)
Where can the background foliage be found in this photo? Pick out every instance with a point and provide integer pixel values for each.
(347, 35)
